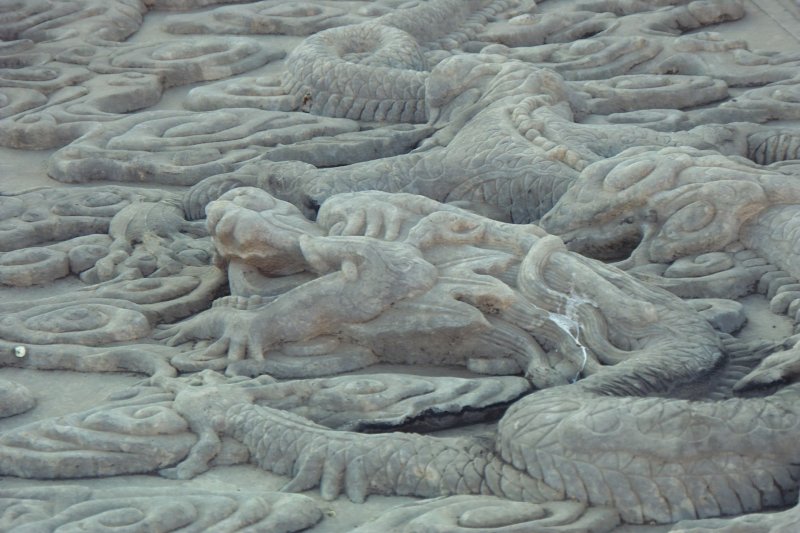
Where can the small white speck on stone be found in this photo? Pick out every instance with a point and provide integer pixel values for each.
(20, 351)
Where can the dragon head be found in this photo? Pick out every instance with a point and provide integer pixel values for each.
(648, 205)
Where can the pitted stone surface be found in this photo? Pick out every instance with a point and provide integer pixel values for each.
(315, 227)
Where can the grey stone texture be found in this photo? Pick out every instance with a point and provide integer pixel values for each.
(406, 217)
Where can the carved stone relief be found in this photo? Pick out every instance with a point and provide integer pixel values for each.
(443, 265)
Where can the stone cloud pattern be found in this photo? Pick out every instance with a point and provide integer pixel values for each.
(558, 208)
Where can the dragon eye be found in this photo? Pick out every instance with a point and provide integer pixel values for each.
(628, 220)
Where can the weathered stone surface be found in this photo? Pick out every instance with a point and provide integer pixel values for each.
(73, 111)
(49, 20)
(369, 201)
(379, 401)
(708, 275)
(137, 435)
(782, 366)
(465, 513)
(149, 509)
(774, 522)
(32, 266)
(726, 316)
(90, 322)
(271, 17)
(14, 398)
(187, 61)
(585, 59)
(675, 203)
(643, 91)
(421, 311)
(47, 215)
(182, 147)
